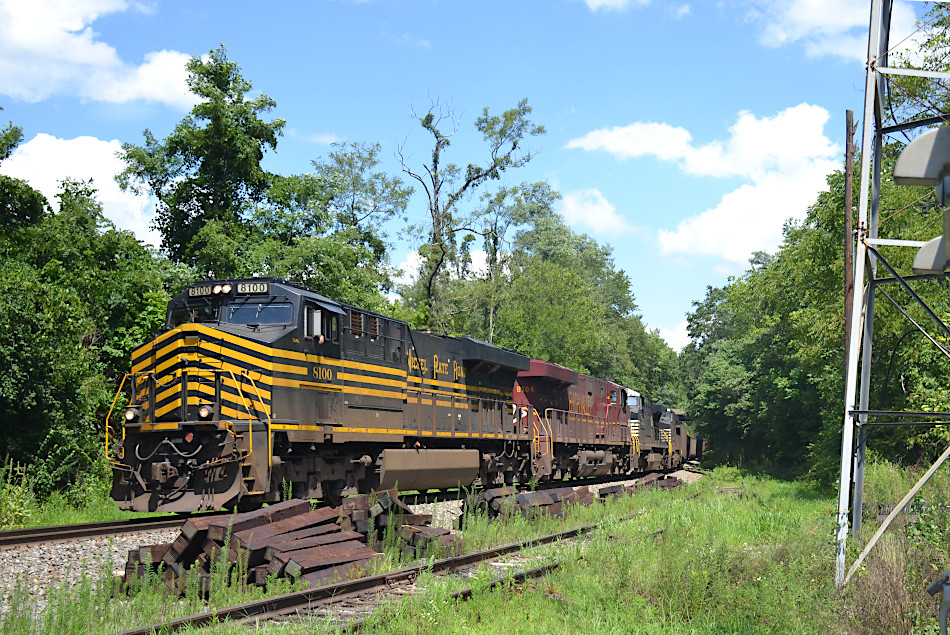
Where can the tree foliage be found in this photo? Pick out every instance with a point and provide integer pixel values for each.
(447, 232)
(209, 168)
(765, 367)
(221, 212)
(553, 294)
(77, 297)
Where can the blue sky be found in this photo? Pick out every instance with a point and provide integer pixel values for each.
(681, 133)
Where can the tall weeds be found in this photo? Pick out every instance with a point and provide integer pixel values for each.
(17, 502)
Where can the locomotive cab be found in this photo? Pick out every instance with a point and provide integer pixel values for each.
(198, 429)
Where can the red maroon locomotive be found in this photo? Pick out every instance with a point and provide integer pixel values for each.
(585, 426)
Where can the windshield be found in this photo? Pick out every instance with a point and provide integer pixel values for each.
(197, 313)
(260, 313)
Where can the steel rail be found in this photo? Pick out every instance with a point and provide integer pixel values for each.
(13, 538)
(450, 495)
(466, 594)
(290, 603)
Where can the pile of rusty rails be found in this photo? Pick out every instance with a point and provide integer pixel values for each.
(506, 502)
(291, 540)
(301, 603)
(651, 481)
(15, 538)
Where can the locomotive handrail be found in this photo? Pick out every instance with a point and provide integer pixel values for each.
(536, 436)
(250, 425)
(668, 437)
(260, 399)
(546, 422)
(635, 437)
(582, 417)
(115, 400)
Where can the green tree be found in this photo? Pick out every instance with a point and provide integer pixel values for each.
(447, 232)
(209, 168)
(778, 331)
(361, 196)
(10, 138)
(557, 295)
(20, 204)
(76, 297)
(323, 229)
(477, 299)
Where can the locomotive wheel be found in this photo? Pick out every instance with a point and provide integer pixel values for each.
(333, 492)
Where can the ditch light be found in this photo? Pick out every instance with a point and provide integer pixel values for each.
(926, 161)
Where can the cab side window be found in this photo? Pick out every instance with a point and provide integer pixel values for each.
(313, 321)
(331, 327)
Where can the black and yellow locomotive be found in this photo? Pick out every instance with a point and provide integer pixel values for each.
(258, 386)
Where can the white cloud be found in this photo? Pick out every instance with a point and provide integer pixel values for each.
(682, 11)
(44, 161)
(784, 160)
(319, 138)
(325, 138)
(614, 5)
(409, 268)
(479, 261)
(589, 208)
(677, 337)
(825, 27)
(412, 263)
(786, 142)
(637, 140)
(408, 39)
(48, 47)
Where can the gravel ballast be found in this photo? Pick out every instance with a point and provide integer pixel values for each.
(42, 567)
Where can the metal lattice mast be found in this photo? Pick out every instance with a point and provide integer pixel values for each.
(926, 161)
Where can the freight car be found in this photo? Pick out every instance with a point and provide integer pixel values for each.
(260, 388)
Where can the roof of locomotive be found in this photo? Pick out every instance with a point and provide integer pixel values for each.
(471, 348)
(549, 370)
(475, 350)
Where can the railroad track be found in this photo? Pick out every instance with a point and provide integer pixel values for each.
(13, 538)
(305, 602)
(451, 495)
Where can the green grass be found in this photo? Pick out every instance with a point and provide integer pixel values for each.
(725, 563)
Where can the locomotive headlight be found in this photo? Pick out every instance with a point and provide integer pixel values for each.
(132, 415)
(204, 412)
(217, 289)
(225, 288)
